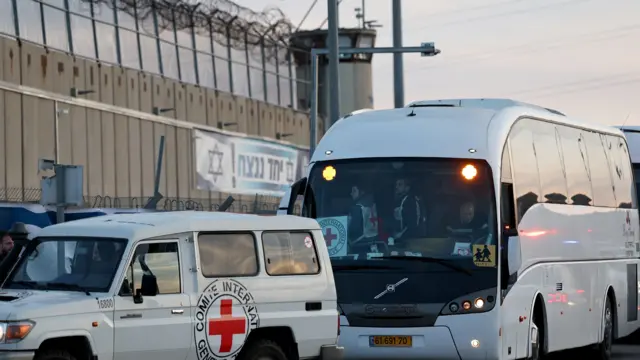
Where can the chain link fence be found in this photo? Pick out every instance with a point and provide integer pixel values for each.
(248, 204)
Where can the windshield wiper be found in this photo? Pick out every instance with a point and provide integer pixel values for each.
(68, 286)
(27, 284)
(338, 268)
(428, 259)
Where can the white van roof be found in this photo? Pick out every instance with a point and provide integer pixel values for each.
(150, 225)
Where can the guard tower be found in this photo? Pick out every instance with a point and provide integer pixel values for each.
(356, 85)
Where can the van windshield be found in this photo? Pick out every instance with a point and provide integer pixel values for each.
(68, 264)
(386, 219)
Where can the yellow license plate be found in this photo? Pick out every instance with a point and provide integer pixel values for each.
(390, 341)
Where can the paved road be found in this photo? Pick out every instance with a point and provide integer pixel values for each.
(620, 352)
(626, 352)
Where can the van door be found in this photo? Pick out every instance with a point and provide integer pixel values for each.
(158, 322)
(299, 285)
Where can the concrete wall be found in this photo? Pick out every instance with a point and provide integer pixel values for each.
(356, 86)
(117, 146)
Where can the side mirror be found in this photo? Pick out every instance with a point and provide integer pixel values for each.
(514, 254)
(284, 203)
(288, 201)
(137, 297)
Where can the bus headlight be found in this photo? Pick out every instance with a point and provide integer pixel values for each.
(477, 302)
(14, 331)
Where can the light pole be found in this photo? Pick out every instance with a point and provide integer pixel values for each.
(334, 75)
(398, 66)
(425, 49)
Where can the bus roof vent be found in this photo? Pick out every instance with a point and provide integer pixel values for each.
(493, 104)
(355, 112)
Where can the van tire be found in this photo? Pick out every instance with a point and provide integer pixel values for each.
(263, 350)
(54, 354)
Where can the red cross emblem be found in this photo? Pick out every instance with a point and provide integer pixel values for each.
(329, 236)
(227, 325)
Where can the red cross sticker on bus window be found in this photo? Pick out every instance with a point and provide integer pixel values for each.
(329, 236)
(227, 325)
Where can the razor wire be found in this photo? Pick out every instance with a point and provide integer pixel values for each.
(226, 22)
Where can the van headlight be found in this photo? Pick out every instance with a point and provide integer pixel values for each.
(14, 331)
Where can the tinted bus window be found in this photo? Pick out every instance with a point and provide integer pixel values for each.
(576, 166)
(552, 178)
(599, 170)
(524, 165)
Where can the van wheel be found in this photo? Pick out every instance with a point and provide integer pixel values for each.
(264, 350)
(54, 354)
(602, 351)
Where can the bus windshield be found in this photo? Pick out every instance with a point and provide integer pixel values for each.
(428, 220)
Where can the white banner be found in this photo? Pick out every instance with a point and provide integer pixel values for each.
(232, 164)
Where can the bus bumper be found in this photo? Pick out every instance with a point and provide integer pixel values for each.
(331, 352)
(427, 343)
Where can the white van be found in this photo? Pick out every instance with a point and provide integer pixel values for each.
(172, 285)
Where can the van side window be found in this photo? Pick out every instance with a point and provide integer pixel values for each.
(154, 268)
(227, 254)
(576, 166)
(603, 194)
(290, 253)
(524, 165)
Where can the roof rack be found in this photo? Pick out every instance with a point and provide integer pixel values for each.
(493, 104)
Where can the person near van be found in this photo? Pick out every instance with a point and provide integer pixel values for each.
(363, 219)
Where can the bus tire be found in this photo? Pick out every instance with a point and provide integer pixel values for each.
(537, 347)
(602, 351)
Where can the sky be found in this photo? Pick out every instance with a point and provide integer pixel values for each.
(581, 57)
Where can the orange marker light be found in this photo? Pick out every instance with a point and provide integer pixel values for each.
(18, 331)
(469, 172)
(329, 173)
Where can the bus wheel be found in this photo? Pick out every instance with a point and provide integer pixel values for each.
(535, 343)
(537, 334)
(602, 351)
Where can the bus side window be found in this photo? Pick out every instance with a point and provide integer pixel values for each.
(524, 164)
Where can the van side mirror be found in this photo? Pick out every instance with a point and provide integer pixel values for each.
(289, 199)
(514, 254)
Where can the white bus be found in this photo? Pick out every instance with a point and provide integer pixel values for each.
(476, 229)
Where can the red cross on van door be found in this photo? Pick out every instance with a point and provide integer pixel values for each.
(227, 325)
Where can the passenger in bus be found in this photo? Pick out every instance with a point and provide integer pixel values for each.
(469, 226)
(407, 212)
(363, 219)
(6, 245)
